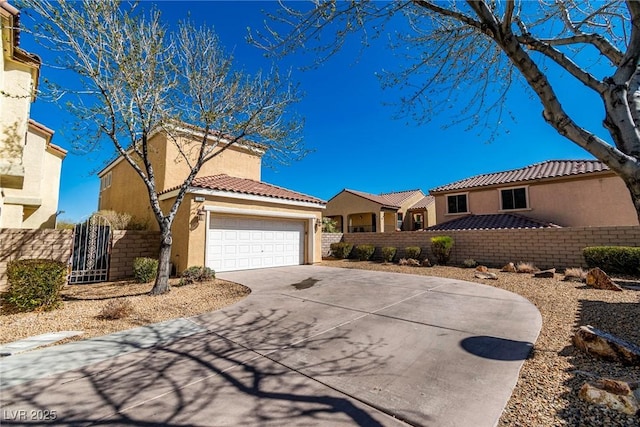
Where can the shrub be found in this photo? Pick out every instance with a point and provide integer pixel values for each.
(196, 274)
(341, 250)
(577, 274)
(388, 253)
(35, 284)
(525, 267)
(117, 220)
(145, 269)
(412, 252)
(364, 252)
(329, 225)
(441, 248)
(469, 263)
(116, 309)
(613, 259)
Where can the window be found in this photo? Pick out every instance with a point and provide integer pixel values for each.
(457, 203)
(513, 198)
(417, 221)
(105, 181)
(400, 220)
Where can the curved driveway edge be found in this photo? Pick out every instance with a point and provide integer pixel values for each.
(314, 346)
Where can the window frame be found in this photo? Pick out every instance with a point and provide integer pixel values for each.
(466, 196)
(105, 181)
(527, 207)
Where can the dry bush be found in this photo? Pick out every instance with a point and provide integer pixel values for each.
(525, 267)
(577, 274)
(116, 309)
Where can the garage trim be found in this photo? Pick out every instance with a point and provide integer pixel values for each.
(309, 235)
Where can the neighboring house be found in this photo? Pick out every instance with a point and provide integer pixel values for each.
(422, 214)
(567, 193)
(30, 164)
(229, 219)
(355, 211)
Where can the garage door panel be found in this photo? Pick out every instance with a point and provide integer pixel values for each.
(236, 243)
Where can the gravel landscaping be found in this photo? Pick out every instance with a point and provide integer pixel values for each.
(84, 303)
(547, 391)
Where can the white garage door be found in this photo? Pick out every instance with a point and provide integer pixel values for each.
(237, 243)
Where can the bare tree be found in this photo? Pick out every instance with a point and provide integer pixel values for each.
(479, 49)
(132, 77)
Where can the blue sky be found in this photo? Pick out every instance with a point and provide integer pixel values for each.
(349, 125)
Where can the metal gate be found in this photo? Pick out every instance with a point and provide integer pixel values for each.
(91, 251)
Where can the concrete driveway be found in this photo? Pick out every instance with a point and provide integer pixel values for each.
(310, 346)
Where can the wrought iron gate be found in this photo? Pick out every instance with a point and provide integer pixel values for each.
(91, 251)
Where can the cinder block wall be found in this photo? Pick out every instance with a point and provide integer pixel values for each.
(57, 245)
(546, 248)
(130, 244)
(26, 244)
(327, 240)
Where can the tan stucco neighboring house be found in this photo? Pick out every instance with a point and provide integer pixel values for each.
(422, 214)
(229, 219)
(356, 211)
(30, 164)
(567, 193)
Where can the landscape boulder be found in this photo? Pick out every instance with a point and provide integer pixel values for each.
(482, 269)
(617, 395)
(551, 273)
(606, 346)
(599, 280)
(509, 268)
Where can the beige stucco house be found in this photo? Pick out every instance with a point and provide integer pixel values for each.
(229, 219)
(567, 193)
(355, 211)
(30, 164)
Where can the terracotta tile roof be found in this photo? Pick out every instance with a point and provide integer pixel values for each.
(424, 203)
(492, 222)
(249, 186)
(399, 197)
(548, 169)
(374, 198)
(388, 200)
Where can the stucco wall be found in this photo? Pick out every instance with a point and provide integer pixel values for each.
(546, 248)
(170, 171)
(597, 200)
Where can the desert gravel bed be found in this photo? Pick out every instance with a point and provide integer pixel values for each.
(547, 391)
(83, 304)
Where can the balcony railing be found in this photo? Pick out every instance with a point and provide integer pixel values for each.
(361, 229)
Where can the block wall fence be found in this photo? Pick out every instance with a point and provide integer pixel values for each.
(57, 245)
(545, 248)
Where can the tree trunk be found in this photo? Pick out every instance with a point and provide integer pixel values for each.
(161, 285)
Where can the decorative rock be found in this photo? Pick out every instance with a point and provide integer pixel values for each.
(481, 275)
(617, 395)
(426, 262)
(403, 261)
(482, 269)
(413, 262)
(509, 268)
(599, 279)
(551, 273)
(606, 346)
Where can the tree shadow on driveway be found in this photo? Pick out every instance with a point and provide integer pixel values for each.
(204, 379)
